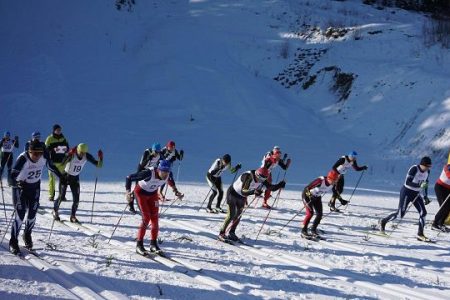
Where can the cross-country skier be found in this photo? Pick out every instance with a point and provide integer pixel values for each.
(270, 161)
(442, 190)
(312, 200)
(249, 183)
(26, 174)
(74, 162)
(148, 193)
(214, 179)
(6, 154)
(36, 136)
(57, 146)
(416, 180)
(171, 154)
(150, 159)
(341, 166)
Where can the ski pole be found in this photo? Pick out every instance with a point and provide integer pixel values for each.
(239, 216)
(115, 227)
(267, 216)
(9, 224)
(3, 199)
(201, 206)
(169, 206)
(57, 208)
(401, 218)
(234, 178)
(354, 189)
(442, 207)
(291, 219)
(178, 169)
(93, 197)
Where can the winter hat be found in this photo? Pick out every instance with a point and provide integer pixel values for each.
(7, 134)
(56, 126)
(425, 161)
(226, 158)
(36, 135)
(36, 146)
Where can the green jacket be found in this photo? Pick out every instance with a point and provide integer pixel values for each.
(57, 147)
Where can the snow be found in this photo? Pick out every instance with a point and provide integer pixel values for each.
(350, 264)
(121, 80)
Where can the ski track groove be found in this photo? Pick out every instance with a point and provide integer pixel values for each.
(65, 278)
(215, 281)
(361, 280)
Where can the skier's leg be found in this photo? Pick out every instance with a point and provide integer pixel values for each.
(267, 192)
(75, 188)
(317, 205)
(144, 206)
(237, 218)
(51, 186)
(154, 217)
(307, 202)
(442, 195)
(420, 206)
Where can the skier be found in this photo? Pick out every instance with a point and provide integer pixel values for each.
(214, 179)
(150, 159)
(341, 166)
(312, 200)
(270, 161)
(442, 190)
(6, 154)
(416, 180)
(36, 136)
(171, 154)
(249, 183)
(26, 174)
(57, 146)
(74, 162)
(148, 193)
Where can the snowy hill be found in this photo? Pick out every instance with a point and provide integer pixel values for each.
(121, 80)
(232, 77)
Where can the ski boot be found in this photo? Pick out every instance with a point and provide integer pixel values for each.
(343, 201)
(421, 237)
(315, 234)
(131, 208)
(56, 215)
(219, 210)
(266, 206)
(382, 224)
(155, 248)
(178, 194)
(28, 240)
(14, 246)
(332, 205)
(140, 248)
(305, 234)
(210, 210)
(74, 219)
(233, 237)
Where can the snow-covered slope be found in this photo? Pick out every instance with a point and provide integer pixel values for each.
(122, 80)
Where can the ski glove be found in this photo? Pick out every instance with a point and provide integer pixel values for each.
(258, 192)
(100, 154)
(129, 196)
(100, 163)
(181, 154)
(424, 185)
(365, 168)
(16, 140)
(426, 200)
(282, 184)
(238, 166)
(288, 162)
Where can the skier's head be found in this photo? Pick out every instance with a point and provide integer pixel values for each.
(276, 148)
(262, 174)
(156, 147)
(35, 150)
(170, 145)
(426, 162)
(332, 176)
(57, 129)
(82, 148)
(226, 159)
(7, 134)
(276, 153)
(352, 155)
(163, 169)
(36, 135)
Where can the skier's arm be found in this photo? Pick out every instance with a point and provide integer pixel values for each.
(409, 178)
(18, 166)
(52, 168)
(146, 174)
(16, 141)
(216, 168)
(91, 159)
(144, 160)
(358, 168)
(339, 162)
(246, 181)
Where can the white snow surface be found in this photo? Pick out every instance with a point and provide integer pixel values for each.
(279, 265)
(121, 80)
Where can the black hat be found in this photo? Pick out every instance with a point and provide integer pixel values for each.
(226, 158)
(56, 126)
(36, 146)
(425, 161)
